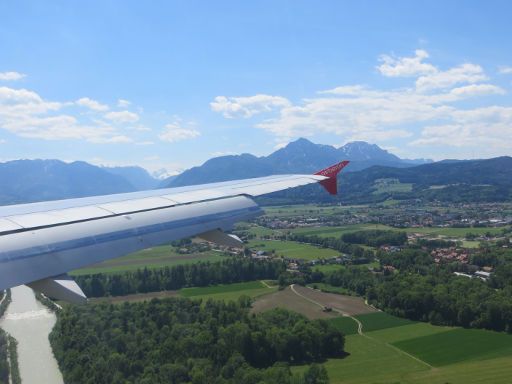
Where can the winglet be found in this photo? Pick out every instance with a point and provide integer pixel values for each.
(331, 184)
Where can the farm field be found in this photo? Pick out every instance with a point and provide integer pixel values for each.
(405, 332)
(228, 291)
(329, 288)
(406, 354)
(286, 298)
(338, 231)
(370, 361)
(380, 320)
(458, 345)
(345, 324)
(292, 249)
(350, 305)
(305, 209)
(434, 231)
(157, 257)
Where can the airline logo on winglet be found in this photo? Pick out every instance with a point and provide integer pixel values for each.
(331, 184)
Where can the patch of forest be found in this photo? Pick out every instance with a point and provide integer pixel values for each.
(188, 341)
(202, 274)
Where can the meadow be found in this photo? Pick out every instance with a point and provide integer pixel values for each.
(380, 320)
(458, 345)
(228, 292)
(291, 249)
(157, 257)
(329, 288)
(305, 210)
(394, 350)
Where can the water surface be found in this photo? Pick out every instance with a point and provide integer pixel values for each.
(30, 322)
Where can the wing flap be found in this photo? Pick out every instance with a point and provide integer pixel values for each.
(61, 287)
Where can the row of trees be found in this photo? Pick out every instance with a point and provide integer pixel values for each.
(188, 341)
(4, 363)
(230, 270)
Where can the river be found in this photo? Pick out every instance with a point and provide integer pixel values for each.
(30, 322)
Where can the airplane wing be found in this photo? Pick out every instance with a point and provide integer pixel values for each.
(41, 242)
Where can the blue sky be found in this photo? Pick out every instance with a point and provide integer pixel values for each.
(169, 84)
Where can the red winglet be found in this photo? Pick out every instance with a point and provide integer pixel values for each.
(331, 184)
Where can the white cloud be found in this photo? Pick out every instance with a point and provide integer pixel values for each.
(91, 104)
(504, 70)
(405, 66)
(430, 77)
(486, 129)
(246, 107)
(11, 76)
(122, 117)
(427, 112)
(465, 73)
(477, 90)
(345, 90)
(174, 132)
(26, 114)
(122, 103)
(281, 145)
(147, 142)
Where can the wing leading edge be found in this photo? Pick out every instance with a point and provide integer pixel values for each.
(41, 241)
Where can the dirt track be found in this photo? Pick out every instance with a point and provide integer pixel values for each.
(348, 305)
(289, 300)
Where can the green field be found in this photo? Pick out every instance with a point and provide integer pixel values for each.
(157, 257)
(228, 291)
(329, 288)
(338, 231)
(405, 352)
(405, 332)
(470, 244)
(260, 231)
(458, 345)
(291, 249)
(380, 320)
(369, 361)
(345, 324)
(305, 210)
(390, 186)
(433, 231)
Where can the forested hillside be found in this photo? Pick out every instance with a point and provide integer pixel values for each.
(451, 181)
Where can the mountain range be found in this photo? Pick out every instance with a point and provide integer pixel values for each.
(373, 175)
(300, 156)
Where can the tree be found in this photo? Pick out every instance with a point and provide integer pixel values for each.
(316, 374)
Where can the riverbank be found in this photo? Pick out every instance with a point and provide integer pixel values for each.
(30, 323)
